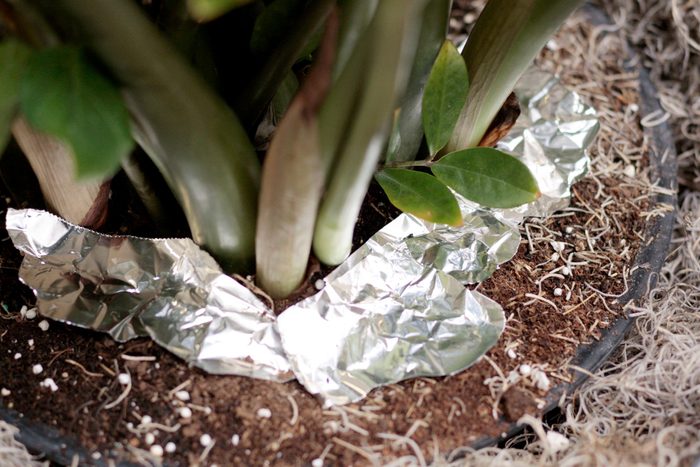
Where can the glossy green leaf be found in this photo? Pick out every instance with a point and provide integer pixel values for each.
(207, 10)
(420, 194)
(487, 176)
(14, 56)
(65, 96)
(444, 96)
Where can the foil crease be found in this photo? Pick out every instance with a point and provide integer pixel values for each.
(397, 308)
(168, 289)
(550, 137)
(408, 321)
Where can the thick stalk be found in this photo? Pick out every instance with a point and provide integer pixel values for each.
(506, 38)
(393, 34)
(289, 196)
(253, 100)
(407, 134)
(83, 203)
(292, 183)
(192, 137)
(338, 109)
(355, 17)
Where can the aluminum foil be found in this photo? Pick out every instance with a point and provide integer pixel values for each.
(409, 321)
(128, 287)
(550, 136)
(395, 309)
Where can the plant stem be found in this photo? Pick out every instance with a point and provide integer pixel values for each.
(192, 137)
(292, 183)
(54, 168)
(393, 35)
(253, 99)
(407, 134)
(144, 190)
(506, 38)
(408, 164)
(355, 17)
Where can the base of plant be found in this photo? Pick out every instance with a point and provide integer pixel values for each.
(552, 309)
(270, 420)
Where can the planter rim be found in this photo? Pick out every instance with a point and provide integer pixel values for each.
(648, 262)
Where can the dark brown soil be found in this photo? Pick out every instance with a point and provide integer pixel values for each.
(445, 413)
(601, 232)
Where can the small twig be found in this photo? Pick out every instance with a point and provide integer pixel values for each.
(179, 387)
(372, 457)
(58, 354)
(122, 396)
(295, 410)
(83, 369)
(138, 358)
(107, 369)
(206, 451)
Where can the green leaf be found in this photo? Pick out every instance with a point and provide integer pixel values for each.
(444, 96)
(420, 194)
(64, 96)
(13, 61)
(207, 10)
(487, 176)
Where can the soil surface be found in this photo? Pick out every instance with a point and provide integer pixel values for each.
(557, 292)
(255, 422)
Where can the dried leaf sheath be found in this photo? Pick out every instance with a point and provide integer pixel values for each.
(53, 165)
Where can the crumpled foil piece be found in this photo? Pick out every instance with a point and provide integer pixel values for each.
(395, 309)
(550, 137)
(128, 287)
(409, 320)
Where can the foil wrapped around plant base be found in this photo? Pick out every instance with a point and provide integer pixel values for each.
(397, 308)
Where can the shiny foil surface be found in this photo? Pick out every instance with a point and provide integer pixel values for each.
(169, 289)
(397, 308)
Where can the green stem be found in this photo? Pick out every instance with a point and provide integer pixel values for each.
(506, 38)
(192, 137)
(144, 190)
(253, 100)
(292, 184)
(393, 35)
(407, 134)
(355, 17)
(408, 164)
